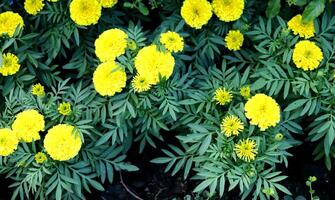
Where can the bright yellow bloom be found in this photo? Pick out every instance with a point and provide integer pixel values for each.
(223, 96)
(109, 78)
(152, 63)
(172, 41)
(107, 3)
(40, 157)
(111, 44)
(245, 92)
(307, 55)
(196, 13)
(9, 21)
(262, 111)
(234, 40)
(28, 124)
(64, 108)
(33, 6)
(10, 64)
(62, 142)
(231, 125)
(140, 84)
(85, 12)
(228, 10)
(305, 30)
(38, 90)
(246, 149)
(8, 142)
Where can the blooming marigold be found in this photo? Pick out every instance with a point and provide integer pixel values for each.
(110, 44)
(28, 124)
(38, 90)
(228, 10)
(305, 30)
(40, 157)
(223, 96)
(231, 125)
(172, 41)
(10, 64)
(152, 63)
(234, 40)
(9, 21)
(107, 3)
(246, 149)
(307, 55)
(262, 111)
(109, 79)
(196, 13)
(85, 12)
(64, 108)
(62, 142)
(245, 92)
(33, 6)
(140, 84)
(8, 142)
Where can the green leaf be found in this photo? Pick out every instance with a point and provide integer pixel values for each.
(300, 2)
(296, 104)
(313, 10)
(273, 8)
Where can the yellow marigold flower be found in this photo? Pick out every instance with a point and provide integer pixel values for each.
(228, 10)
(140, 84)
(234, 40)
(62, 142)
(262, 111)
(223, 96)
(196, 13)
(107, 3)
(40, 157)
(8, 142)
(279, 136)
(85, 12)
(231, 125)
(245, 92)
(33, 6)
(246, 149)
(38, 90)
(305, 30)
(109, 78)
(9, 21)
(64, 108)
(10, 64)
(111, 44)
(152, 63)
(28, 124)
(172, 41)
(307, 55)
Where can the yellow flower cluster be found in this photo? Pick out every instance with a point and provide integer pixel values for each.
(262, 111)
(85, 12)
(196, 13)
(64, 108)
(10, 64)
(62, 142)
(231, 125)
(111, 44)
(305, 30)
(151, 64)
(40, 157)
(9, 21)
(307, 55)
(28, 124)
(107, 3)
(8, 142)
(38, 90)
(234, 40)
(172, 41)
(246, 149)
(223, 96)
(33, 6)
(228, 10)
(109, 78)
